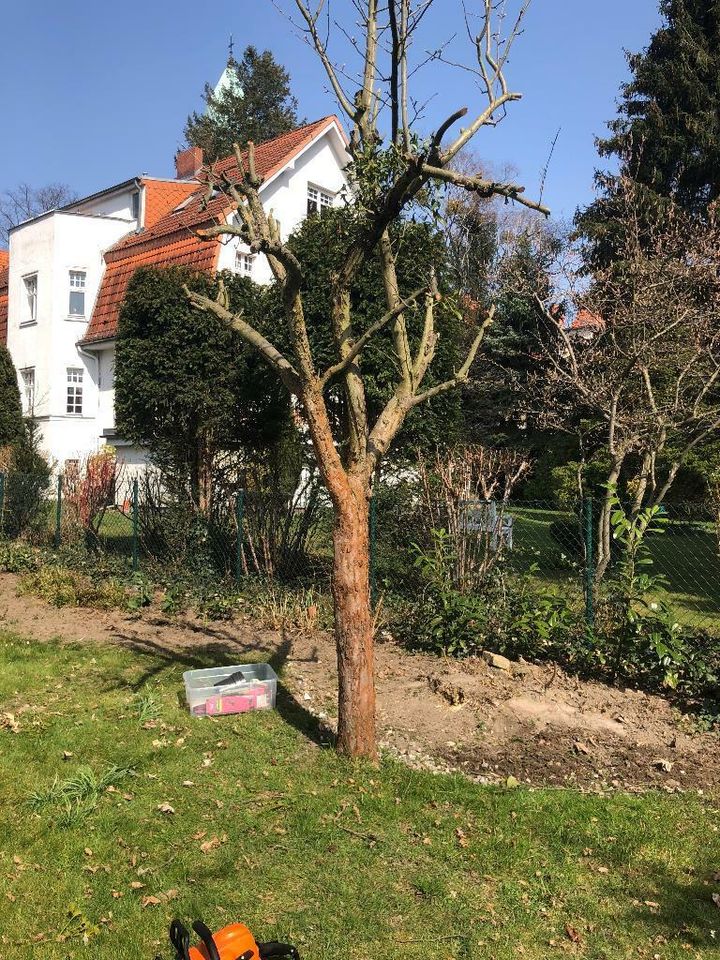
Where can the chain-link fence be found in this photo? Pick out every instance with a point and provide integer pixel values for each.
(288, 538)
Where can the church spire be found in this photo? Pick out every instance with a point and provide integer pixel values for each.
(229, 82)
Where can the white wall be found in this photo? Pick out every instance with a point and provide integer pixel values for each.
(320, 165)
(116, 204)
(51, 247)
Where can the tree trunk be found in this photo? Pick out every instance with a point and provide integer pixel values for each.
(353, 622)
(604, 540)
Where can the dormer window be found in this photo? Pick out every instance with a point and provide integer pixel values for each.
(135, 205)
(318, 200)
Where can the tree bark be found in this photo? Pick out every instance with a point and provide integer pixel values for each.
(353, 622)
(604, 545)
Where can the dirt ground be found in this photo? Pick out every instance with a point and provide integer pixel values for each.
(490, 721)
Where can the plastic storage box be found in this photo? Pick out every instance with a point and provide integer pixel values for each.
(238, 689)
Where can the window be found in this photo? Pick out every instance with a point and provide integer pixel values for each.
(74, 390)
(318, 200)
(244, 263)
(28, 383)
(135, 205)
(77, 293)
(31, 288)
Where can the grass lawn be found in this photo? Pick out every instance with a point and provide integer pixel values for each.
(248, 818)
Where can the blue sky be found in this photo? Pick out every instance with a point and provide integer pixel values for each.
(107, 87)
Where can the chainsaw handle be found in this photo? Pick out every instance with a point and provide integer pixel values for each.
(180, 939)
(206, 936)
(281, 951)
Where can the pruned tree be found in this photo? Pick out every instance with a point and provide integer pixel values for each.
(25, 202)
(638, 372)
(389, 171)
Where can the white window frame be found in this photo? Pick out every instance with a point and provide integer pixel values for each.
(31, 299)
(77, 283)
(321, 200)
(27, 376)
(244, 263)
(74, 391)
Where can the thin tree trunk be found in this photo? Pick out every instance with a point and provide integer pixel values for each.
(604, 525)
(353, 623)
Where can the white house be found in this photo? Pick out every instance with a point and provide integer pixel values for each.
(63, 283)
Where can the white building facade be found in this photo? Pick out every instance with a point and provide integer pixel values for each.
(68, 270)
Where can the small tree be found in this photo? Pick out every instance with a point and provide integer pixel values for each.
(12, 428)
(88, 489)
(390, 171)
(642, 387)
(187, 387)
(257, 105)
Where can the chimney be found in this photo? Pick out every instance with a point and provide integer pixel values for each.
(188, 163)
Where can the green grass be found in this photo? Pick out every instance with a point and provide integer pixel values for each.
(345, 860)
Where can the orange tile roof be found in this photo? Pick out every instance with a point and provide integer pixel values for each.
(179, 250)
(586, 320)
(162, 196)
(4, 279)
(171, 240)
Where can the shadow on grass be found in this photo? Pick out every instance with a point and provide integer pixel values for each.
(672, 911)
(226, 649)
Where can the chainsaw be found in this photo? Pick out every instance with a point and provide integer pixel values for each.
(234, 942)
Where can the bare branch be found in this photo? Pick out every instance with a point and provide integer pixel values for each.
(464, 370)
(357, 348)
(251, 336)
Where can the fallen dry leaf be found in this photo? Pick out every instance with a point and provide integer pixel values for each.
(716, 900)
(581, 747)
(8, 722)
(166, 808)
(461, 837)
(136, 885)
(572, 933)
(209, 845)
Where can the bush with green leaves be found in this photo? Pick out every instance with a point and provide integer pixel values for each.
(225, 406)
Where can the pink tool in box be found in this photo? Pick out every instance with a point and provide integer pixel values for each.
(216, 691)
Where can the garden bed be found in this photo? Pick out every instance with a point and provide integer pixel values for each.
(533, 723)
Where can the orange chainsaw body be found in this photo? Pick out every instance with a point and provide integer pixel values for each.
(232, 942)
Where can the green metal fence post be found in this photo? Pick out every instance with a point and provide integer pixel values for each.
(2, 502)
(589, 564)
(373, 549)
(135, 545)
(239, 518)
(58, 512)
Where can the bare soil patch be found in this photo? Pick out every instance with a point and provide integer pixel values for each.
(534, 723)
